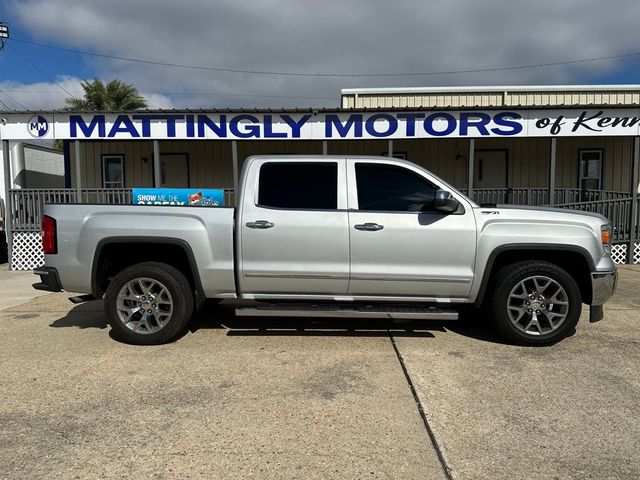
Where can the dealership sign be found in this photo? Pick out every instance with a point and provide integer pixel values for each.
(324, 125)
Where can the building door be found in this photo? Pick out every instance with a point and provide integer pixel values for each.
(174, 170)
(491, 173)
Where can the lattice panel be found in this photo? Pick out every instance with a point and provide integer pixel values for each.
(619, 253)
(636, 253)
(27, 251)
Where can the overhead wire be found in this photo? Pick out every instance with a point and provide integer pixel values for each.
(46, 75)
(306, 74)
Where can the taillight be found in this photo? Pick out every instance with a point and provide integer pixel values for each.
(49, 240)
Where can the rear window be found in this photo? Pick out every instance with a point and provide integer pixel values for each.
(308, 185)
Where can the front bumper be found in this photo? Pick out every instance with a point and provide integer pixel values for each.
(603, 284)
(49, 279)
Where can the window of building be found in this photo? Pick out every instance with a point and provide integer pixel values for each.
(591, 169)
(392, 188)
(312, 186)
(113, 171)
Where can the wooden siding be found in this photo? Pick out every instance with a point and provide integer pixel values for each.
(617, 156)
(210, 162)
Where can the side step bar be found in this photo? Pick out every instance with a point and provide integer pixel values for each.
(353, 311)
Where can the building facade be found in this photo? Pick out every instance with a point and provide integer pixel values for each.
(572, 146)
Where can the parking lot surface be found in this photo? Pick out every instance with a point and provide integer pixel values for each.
(269, 398)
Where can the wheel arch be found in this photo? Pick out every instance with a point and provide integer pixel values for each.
(574, 259)
(113, 254)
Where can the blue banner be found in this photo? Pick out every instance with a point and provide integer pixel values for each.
(193, 197)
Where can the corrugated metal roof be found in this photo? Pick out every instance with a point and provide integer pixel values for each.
(323, 110)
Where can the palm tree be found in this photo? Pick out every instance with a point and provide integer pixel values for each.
(115, 96)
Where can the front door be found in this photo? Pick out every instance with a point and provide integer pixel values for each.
(174, 170)
(400, 246)
(491, 173)
(294, 234)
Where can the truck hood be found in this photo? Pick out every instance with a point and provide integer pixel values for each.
(546, 211)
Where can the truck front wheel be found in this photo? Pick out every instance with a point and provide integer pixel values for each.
(535, 303)
(148, 303)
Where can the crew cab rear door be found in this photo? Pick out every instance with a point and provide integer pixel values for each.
(294, 229)
(400, 245)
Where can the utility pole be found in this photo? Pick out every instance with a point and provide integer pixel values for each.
(4, 35)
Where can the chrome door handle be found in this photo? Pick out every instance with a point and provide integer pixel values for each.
(368, 227)
(262, 224)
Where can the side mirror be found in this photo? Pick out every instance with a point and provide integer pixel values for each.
(445, 202)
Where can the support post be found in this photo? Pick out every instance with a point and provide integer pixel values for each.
(78, 155)
(325, 147)
(552, 172)
(472, 149)
(635, 178)
(234, 157)
(156, 164)
(390, 148)
(8, 210)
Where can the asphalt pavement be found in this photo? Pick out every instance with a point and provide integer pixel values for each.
(307, 398)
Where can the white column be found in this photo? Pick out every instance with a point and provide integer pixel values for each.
(390, 149)
(325, 147)
(234, 158)
(552, 172)
(472, 149)
(156, 164)
(635, 178)
(8, 211)
(78, 156)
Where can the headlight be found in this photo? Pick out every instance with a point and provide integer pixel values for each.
(605, 237)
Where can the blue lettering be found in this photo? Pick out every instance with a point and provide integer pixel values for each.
(474, 119)
(392, 125)
(219, 130)
(333, 120)
(295, 126)
(76, 121)
(248, 131)
(410, 124)
(268, 129)
(508, 120)
(123, 124)
(451, 124)
(190, 126)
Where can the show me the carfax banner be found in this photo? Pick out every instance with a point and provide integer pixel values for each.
(322, 125)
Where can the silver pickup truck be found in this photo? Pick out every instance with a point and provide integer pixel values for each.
(334, 236)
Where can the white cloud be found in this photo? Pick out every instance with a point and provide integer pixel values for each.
(321, 36)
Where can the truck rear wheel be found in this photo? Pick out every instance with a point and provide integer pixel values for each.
(148, 303)
(535, 303)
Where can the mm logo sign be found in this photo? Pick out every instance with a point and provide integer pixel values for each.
(38, 126)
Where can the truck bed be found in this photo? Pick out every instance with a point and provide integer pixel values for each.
(84, 229)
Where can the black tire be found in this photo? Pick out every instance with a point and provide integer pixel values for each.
(180, 298)
(568, 303)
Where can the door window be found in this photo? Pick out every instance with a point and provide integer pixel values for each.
(392, 188)
(590, 169)
(290, 185)
(113, 171)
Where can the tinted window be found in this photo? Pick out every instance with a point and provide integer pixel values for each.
(391, 188)
(299, 185)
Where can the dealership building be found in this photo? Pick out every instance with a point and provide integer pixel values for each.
(568, 146)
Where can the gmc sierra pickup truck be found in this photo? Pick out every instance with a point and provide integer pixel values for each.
(334, 236)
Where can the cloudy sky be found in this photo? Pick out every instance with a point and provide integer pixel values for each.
(353, 40)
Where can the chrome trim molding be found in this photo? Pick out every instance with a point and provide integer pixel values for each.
(603, 284)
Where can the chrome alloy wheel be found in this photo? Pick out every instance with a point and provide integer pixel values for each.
(538, 305)
(144, 305)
